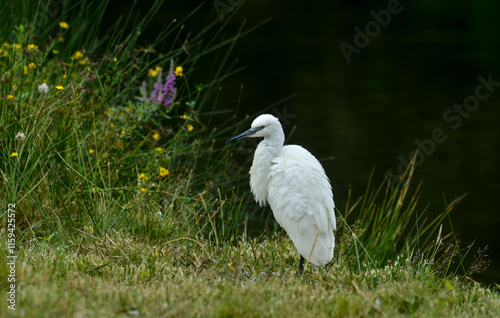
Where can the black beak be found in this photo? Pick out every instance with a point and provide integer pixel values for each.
(247, 133)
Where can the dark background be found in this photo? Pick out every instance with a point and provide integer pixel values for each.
(369, 112)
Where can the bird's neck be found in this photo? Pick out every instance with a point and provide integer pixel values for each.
(272, 144)
(259, 172)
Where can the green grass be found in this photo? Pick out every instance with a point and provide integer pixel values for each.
(103, 230)
(119, 275)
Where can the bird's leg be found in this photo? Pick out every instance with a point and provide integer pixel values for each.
(301, 265)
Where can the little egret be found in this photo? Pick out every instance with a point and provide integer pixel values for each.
(294, 183)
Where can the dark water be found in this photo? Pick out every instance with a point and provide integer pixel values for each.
(427, 75)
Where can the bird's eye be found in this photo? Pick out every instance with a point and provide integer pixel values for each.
(261, 127)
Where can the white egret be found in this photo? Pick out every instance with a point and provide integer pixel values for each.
(294, 183)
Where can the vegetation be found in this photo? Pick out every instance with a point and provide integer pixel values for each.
(127, 202)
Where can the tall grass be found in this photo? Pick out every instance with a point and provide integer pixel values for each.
(117, 189)
(94, 144)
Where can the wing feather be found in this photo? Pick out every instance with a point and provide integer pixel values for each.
(300, 196)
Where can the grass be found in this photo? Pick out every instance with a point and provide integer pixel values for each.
(122, 275)
(127, 206)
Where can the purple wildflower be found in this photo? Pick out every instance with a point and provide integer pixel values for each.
(165, 93)
(168, 90)
(157, 88)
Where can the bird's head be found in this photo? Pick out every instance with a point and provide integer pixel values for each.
(265, 125)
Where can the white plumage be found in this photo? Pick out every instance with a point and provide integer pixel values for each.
(294, 183)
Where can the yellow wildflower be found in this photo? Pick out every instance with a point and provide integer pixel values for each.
(115, 59)
(123, 131)
(10, 96)
(55, 51)
(184, 116)
(64, 25)
(18, 46)
(190, 127)
(156, 136)
(77, 55)
(144, 190)
(159, 150)
(89, 228)
(32, 65)
(154, 72)
(164, 172)
(178, 71)
(65, 75)
(25, 70)
(32, 47)
(91, 151)
(230, 265)
(59, 87)
(14, 154)
(142, 176)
